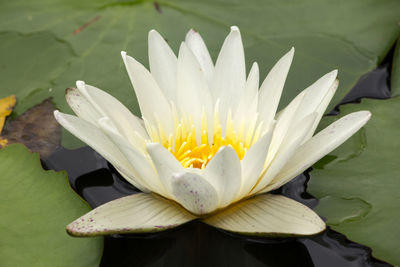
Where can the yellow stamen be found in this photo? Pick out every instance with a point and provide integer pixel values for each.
(194, 152)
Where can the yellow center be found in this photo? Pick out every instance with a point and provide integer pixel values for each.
(193, 152)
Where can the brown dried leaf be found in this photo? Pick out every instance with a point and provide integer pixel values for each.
(36, 128)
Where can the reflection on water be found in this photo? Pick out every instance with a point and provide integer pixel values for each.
(197, 244)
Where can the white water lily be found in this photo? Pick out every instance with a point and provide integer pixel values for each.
(210, 145)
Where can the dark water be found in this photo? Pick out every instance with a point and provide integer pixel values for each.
(197, 244)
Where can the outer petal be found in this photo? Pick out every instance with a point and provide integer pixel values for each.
(194, 193)
(315, 99)
(230, 74)
(138, 213)
(144, 170)
(81, 106)
(153, 104)
(108, 106)
(199, 49)
(320, 145)
(166, 164)
(283, 125)
(271, 88)
(315, 94)
(94, 137)
(322, 107)
(253, 163)
(289, 146)
(162, 64)
(270, 215)
(224, 173)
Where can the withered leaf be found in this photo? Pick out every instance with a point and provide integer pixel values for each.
(36, 128)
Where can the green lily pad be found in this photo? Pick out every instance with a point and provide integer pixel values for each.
(352, 36)
(395, 80)
(29, 63)
(36, 206)
(358, 183)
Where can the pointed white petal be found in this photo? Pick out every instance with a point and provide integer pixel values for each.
(81, 106)
(253, 163)
(162, 64)
(315, 94)
(145, 173)
(247, 107)
(193, 94)
(320, 145)
(166, 164)
(322, 107)
(94, 137)
(153, 104)
(268, 215)
(271, 88)
(110, 107)
(284, 123)
(224, 173)
(194, 193)
(199, 49)
(289, 146)
(138, 213)
(230, 74)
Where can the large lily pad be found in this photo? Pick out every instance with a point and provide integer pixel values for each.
(35, 207)
(352, 36)
(395, 81)
(358, 184)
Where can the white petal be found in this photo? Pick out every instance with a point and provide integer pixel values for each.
(81, 106)
(289, 145)
(320, 145)
(162, 64)
(94, 137)
(230, 74)
(142, 165)
(253, 163)
(199, 49)
(153, 104)
(284, 123)
(315, 94)
(321, 108)
(224, 173)
(248, 102)
(193, 94)
(194, 193)
(108, 106)
(138, 213)
(269, 215)
(166, 164)
(271, 88)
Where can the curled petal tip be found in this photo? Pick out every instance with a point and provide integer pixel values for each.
(56, 112)
(154, 34)
(80, 83)
(368, 114)
(235, 28)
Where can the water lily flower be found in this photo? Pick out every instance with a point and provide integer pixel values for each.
(210, 145)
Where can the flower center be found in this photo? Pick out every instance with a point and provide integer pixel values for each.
(195, 148)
